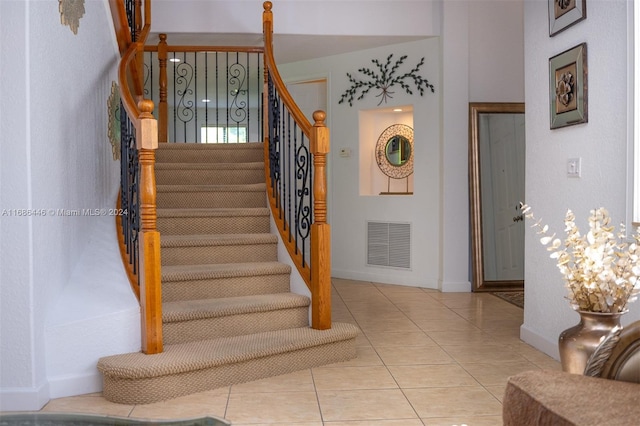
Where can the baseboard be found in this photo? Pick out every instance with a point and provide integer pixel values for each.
(539, 342)
(455, 287)
(24, 399)
(63, 386)
(383, 276)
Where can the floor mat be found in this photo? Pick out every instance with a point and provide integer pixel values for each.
(513, 297)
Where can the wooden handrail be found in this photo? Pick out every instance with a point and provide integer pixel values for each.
(140, 111)
(193, 48)
(120, 24)
(318, 278)
(270, 64)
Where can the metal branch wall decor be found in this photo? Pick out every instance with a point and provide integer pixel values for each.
(70, 13)
(384, 78)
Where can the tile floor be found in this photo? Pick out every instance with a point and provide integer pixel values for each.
(424, 358)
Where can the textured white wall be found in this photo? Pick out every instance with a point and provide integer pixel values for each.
(480, 58)
(57, 157)
(601, 143)
(349, 210)
(338, 17)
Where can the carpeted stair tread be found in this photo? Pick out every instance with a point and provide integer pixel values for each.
(212, 212)
(216, 240)
(189, 310)
(212, 146)
(206, 354)
(252, 187)
(222, 270)
(210, 166)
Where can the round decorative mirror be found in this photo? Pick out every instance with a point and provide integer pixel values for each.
(394, 151)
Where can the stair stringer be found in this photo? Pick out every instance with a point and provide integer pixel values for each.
(296, 282)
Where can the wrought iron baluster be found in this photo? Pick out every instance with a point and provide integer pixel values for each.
(129, 194)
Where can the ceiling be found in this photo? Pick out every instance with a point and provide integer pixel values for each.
(288, 47)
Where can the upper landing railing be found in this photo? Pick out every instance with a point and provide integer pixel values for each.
(246, 102)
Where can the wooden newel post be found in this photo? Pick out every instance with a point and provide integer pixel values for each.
(320, 229)
(267, 18)
(148, 235)
(162, 105)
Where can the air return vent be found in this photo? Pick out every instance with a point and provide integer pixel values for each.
(389, 244)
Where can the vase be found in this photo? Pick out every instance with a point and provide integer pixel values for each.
(579, 342)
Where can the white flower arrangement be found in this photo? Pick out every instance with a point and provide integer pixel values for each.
(601, 270)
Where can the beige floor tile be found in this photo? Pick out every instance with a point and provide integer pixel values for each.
(422, 376)
(365, 355)
(403, 422)
(460, 337)
(533, 355)
(350, 378)
(299, 381)
(484, 353)
(281, 407)
(209, 403)
(369, 317)
(463, 420)
(453, 402)
(383, 404)
(88, 405)
(497, 373)
(437, 314)
(404, 325)
(453, 324)
(392, 338)
(280, 424)
(411, 355)
(497, 391)
(491, 322)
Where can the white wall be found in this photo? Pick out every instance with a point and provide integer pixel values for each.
(338, 17)
(475, 57)
(349, 211)
(55, 155)
(602, 144)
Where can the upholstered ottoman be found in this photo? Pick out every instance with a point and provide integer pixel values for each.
(562, 399)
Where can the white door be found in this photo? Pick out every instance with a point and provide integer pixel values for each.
(503, 183)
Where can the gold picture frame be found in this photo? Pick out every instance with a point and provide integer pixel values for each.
(565, 13)
(568, 87)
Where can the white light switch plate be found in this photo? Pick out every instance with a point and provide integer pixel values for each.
(574, 168)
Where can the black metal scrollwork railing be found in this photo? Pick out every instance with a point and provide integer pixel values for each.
(291, 172)
(212, 96)
(129, 194)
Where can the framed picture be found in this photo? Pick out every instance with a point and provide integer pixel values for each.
(565, 13)
(568, 87)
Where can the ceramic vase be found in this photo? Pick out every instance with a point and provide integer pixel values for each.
(579, 342)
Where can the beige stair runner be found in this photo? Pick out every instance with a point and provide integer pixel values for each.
(228, 313)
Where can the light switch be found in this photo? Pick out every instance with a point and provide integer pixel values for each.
(574, 167)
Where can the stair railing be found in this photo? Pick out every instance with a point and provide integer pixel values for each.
(217, 88)
(295, 155)
(138, 234)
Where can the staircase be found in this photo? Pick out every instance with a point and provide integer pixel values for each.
(228, 313)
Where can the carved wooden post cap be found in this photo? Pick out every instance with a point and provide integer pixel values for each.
(163, 37)
(319, 117)
(146, 108)
(267, 6)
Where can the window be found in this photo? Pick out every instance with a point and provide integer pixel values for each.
(223, 134)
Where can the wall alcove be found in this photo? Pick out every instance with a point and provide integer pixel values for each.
(375, 171)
